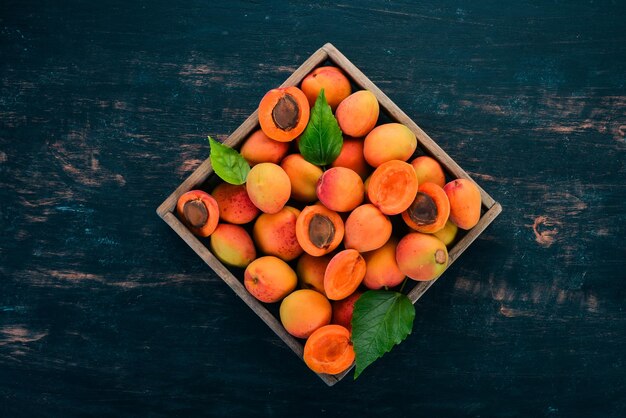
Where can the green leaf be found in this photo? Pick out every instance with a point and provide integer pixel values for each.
(321, 141)
(381, 319)
(228, 164)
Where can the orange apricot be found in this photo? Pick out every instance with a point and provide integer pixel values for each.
(340, 189)
(357, 114)
(421, 256)
(351, 156)
(303, 311)
(448, 233)
(310, 271)
(465, 203)
(319, 230)
(284, 113)
(234, 203)
(303, 176)
(329, 350)
(429, 211)
(343, 309)
(392, 187)
(275, 234)
(366, 229)
(344, 274)
(335, 84)
(381, 267)
(259, 148)
(390, 141)
(232, 245)
(199, 211)
(428, 170)
(269, 279)
(268, 187)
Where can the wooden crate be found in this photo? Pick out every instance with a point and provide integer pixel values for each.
(203, 174)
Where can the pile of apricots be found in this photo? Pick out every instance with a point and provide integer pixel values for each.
(313, 238)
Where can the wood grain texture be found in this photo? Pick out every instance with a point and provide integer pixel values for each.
(105, 108)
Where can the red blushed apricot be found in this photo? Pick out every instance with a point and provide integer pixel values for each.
(448, 233)
(269, 279)
(391, 141)
(259, 148)
(329, 350)
(357, 114)
(421, 256)
(428, 170)
(335, 84)
(319, 230)
(304, 311)
(343, 309)
(340, 189)
(199, 211)
(311, 271)
(351, 156)
(234, 203)
(429, 211)
(465, 201)
(366, 229)
(284, 113)
(232, 245)
(268, 187)
(381, 267)
(392, 187)
(303, 176)
(344, 274)
(275, 234)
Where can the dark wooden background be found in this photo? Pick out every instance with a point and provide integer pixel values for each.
(104, 110)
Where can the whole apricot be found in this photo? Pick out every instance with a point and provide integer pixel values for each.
(232, 245)
(259, 148)
(381, 267)
(340, 189)
(303, 311)
(268, 187)
(234, 203)
(390, 141)
(366, 228)
(428, 170)
(311, 271)
(351, 156)
(357, 114)
(448, 233)
(465, 203)
(269, 279)
(275, 234)
(335, 84)
(343, 309)
(303, 176)
(421, 256)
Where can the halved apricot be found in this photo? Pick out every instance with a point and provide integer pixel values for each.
(392, 187)
(344, 274)
(234, 203)
(428, 170)
(319, 230)
(329, 350)
(366, 228)
(429, 211)
(284, 113)
(199, 211)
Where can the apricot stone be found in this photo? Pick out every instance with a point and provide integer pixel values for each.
(259, 148)
(311, 271)
(391, 141)
(269, 279)
(357, 114)
(319, 230)
(428, 170)
(232, 245)
(268, 187)
(366, 228)
(304, 311)
(351, 156)
(275, 234)
(335, 84)
(234, 203)
(343, 309)
(381, 267)
(303, 176)
(465, 203)
(340, 189)
(421, 256)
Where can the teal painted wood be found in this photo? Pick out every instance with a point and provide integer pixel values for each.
(105, 107)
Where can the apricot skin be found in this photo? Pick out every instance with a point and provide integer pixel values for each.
(303, 311)
(357, 114)
(390, 141)
(351, 156)
(329, 350)
(366, 228)
(343, 309)
(303, 176)
(381, 267)
(428, 170)
(340, 189)
(275, 234)
(269, 279)
(259, 148)
(421, 256)
(448, 233)
(465, 203)
(209, 210)
(335, 84)
(311, 271)
(268, 187)
(232, 245)
(234, 203)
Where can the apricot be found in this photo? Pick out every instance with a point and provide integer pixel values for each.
(344, 274)
(465, 203)
(429, 211)
(329, 350)
(232, 245)
(343, 309)
(381, 267)
(351, 156)
(303, 176)
(284, 113)
(311, 271)
(199, 211)
(275, 234)
(304, 311)
(448, 233)
(319, 230)
(357, 114)
(335, 84)
(259, 148)
(421, 256)
(391, 141)
(268, 187)
(392, 187)
(234, 203)
(340, 189)
(366, 229)
(428, 170)
(269, 279)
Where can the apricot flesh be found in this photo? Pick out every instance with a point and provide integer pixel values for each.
(390, 141)
(421, 256)
(234, 203)
(303, 311)
(392, 187)
(275, 234)
(465, 203)
(340, 189)
(357, 114)
(335, 84)
(329, 350)
(269, 279)
(268, 187)
(344, 274)
(259, 148)
(232, 245)
(366, 228)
